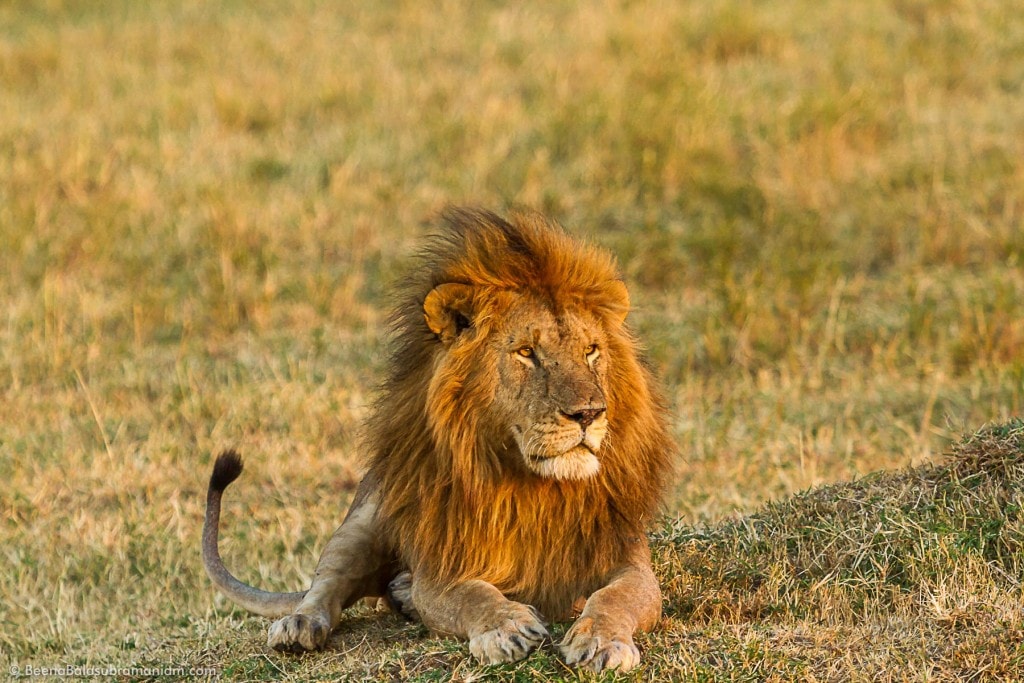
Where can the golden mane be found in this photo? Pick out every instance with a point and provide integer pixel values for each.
(448, 505)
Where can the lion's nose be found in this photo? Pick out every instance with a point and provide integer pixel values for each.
(585, 417)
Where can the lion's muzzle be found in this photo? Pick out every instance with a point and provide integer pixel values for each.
(565, 444)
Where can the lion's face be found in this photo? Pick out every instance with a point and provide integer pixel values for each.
(551, 374)
(544, 370)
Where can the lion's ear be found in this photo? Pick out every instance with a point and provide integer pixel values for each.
(448, 310)
(618, 301)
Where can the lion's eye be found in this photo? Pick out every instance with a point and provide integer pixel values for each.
(526, 352)
(592, 352)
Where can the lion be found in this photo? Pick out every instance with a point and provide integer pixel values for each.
(517, 451)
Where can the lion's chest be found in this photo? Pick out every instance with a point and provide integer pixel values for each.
(547, 553)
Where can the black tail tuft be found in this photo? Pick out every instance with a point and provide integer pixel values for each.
(225, 470)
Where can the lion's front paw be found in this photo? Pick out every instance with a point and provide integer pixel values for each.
(587, 646)
(298, 633)
(516, 631)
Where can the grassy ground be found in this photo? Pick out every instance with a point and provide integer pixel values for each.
(818, 207)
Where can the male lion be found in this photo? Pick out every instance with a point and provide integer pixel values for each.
(517, 450)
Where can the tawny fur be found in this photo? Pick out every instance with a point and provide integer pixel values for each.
(452, 504)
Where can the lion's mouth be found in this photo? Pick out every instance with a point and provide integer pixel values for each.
(559, 453)
(579, 462)
(579, 449)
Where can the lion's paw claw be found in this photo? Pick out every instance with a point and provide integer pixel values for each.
(585, 646)
(514, 636)
(298, 633)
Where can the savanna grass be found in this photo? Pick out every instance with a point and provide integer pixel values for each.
(817, 206)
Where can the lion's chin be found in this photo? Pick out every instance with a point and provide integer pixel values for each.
(576, 463)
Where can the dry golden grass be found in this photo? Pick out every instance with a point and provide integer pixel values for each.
(818, 207)
(909, 574)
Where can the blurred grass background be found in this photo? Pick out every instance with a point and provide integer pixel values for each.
(817, 205)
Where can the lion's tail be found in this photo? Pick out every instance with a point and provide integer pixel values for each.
(267, 604)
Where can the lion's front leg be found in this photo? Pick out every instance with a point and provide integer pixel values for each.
(498, 629)
(354, 564)
(602, 637)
